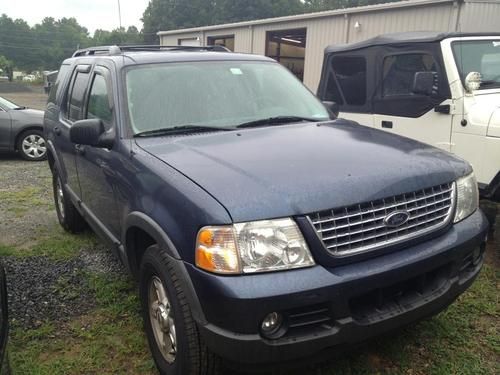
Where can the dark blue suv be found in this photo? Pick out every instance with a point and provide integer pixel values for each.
(260, 228)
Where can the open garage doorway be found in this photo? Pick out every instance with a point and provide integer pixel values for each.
(288, 47)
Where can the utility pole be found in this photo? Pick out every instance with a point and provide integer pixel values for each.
(119, 15)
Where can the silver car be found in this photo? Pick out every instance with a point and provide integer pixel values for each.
(21, 130)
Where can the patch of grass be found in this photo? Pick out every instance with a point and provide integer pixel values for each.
(20, 201)
(56, 244)
(109, 340)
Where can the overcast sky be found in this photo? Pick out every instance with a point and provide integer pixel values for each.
(93, 14)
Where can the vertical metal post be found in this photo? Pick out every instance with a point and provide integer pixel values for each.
(119, 14)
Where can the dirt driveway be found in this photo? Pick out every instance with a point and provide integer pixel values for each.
(29, 96)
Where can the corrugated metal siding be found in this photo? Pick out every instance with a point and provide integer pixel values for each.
(475, 15)
(480, 16)
(428, 18)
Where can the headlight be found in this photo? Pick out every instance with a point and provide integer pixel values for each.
(257, 246)
(467, 197)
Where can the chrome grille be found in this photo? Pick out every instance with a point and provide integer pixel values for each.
(361, 227)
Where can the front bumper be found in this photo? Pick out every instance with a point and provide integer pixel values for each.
(325, 307)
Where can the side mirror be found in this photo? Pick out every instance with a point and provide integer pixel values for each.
(90, 132)
(333, 108)
(425, 83)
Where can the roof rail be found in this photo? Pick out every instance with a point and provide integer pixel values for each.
(117, 50)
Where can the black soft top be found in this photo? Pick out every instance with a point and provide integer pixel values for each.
(403, 38)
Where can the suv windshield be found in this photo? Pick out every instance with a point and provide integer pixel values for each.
(481, 56)
(222, 94)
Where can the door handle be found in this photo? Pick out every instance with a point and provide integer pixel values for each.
(57, 130)
(387, 124)
(80, 149)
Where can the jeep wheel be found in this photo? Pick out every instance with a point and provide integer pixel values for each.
(173, 336)
(32, 146)
(68, 216)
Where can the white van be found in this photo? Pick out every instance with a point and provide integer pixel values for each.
(441, 89)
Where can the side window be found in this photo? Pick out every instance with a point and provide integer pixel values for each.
(399, 72)
(350, 72)
(76, 95)
(98, 105)
(55, 89)
(332, 90)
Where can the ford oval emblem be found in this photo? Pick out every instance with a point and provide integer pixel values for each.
(396, 219)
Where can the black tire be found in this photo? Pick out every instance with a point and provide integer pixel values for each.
(67, 214)
(35, 138)
(490, 210)
(192, 357)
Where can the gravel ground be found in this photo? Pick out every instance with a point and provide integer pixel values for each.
(41, 289)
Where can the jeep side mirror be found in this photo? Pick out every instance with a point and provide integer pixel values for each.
(333, 109)
(90, 132)
(425, 83)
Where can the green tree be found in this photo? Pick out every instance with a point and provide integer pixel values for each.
(7, 67)
(319, 5)
(59, 40)
(175, 14)
(118, 36)
(17, 42)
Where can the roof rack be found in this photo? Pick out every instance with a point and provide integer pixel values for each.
(117, 50)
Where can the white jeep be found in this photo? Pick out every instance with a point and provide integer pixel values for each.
(441, 89)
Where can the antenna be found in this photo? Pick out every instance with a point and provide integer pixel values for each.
(119, 14)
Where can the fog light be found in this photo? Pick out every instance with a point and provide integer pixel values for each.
(271, 325)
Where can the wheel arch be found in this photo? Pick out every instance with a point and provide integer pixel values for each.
(141, 231)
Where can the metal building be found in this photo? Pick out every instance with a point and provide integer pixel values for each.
(298, 41)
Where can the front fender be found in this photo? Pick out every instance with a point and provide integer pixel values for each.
(148, 225)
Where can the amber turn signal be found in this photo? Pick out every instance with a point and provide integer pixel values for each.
(216, 250)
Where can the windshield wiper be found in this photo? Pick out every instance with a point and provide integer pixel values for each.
(276, 121)
(180, 130)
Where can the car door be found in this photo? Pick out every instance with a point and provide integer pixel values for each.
(97, 175)
(5, 130)
(397, 109)
(71, 111)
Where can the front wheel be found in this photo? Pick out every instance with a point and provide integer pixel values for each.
(173, 336)
(32, 146)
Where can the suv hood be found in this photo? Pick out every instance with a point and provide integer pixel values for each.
(486, 111)
(302, 168)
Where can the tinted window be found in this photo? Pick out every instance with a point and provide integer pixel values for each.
(350, 72)
(332, 90)
(76, 96)
(399, 72)
(63, 71)
(98, 106)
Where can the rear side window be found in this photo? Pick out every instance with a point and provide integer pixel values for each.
(76, 95)
(55, 90)
(98, 105)
(399, 72)
(350, 74)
